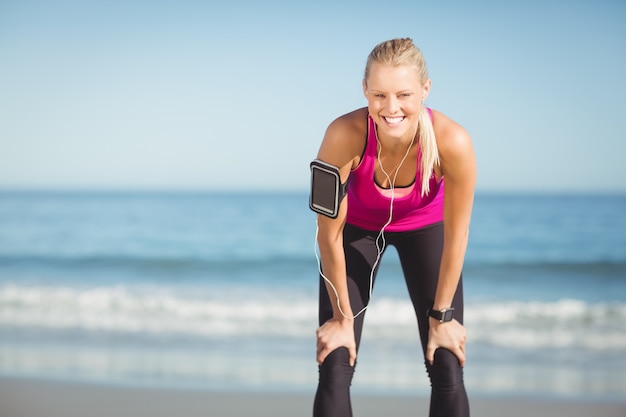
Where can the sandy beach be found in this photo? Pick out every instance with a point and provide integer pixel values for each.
(33, 398)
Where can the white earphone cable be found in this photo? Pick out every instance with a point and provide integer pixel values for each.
(381, 235)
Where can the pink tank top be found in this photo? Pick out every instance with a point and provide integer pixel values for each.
(368, 205)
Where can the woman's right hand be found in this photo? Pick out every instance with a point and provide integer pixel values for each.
(333, 334)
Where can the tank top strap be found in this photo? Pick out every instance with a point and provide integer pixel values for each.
(371, 137)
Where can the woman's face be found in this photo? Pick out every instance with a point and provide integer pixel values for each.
(395, 97)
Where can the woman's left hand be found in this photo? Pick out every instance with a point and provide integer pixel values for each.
(449, 335)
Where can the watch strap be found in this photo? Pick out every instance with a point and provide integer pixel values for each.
(443, 316)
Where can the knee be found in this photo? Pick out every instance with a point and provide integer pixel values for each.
(336, 369)
(445, 371)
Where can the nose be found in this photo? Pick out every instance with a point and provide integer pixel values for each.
(393, 105)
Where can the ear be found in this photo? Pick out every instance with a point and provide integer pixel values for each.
(364, 87)
(426, 89)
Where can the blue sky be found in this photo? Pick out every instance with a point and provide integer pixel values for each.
(195, 95)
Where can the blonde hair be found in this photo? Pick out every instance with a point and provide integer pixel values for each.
(402, 51)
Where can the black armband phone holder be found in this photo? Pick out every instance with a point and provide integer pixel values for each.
(327, 191)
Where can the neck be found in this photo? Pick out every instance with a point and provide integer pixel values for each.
(396, 144)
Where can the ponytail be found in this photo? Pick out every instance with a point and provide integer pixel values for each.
(429, 155)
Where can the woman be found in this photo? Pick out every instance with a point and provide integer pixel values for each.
(396, 155)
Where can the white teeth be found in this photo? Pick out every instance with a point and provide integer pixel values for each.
(394, 120)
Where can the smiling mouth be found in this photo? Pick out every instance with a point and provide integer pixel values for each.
(394, 120)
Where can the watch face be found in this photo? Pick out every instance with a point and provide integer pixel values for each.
(447, 315)
(443, 315)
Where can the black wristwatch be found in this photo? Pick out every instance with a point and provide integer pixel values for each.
(445, 315)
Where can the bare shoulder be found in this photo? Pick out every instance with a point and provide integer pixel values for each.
(450, 135)
(455, 147)
(344, 138)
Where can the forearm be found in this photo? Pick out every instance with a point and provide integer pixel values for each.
(333, 267)
(452, 259)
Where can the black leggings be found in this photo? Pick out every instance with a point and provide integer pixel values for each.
(420, 256)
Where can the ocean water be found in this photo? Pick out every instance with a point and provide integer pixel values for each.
(218, 291)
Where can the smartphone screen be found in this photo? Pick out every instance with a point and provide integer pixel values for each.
(325, 183)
